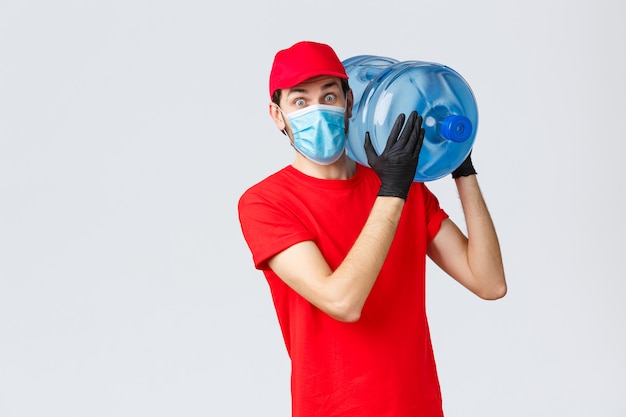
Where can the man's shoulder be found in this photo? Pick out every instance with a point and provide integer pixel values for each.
(268, 181)
(270, 185)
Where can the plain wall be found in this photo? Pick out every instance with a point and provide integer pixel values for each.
(129, 129)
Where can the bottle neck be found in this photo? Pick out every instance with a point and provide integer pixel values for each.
(456, 128)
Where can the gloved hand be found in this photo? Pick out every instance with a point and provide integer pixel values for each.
(396, 165)
(465, 169)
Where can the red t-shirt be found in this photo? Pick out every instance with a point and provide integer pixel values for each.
(383, 364)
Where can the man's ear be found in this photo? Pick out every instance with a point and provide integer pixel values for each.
(277, 116)
(349, 103)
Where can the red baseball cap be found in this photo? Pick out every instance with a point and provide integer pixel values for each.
(302, 61)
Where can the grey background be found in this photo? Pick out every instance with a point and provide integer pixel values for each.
(128, 130)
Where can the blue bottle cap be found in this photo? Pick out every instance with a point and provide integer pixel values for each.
(456, 128)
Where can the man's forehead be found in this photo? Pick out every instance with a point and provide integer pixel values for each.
(323, 82)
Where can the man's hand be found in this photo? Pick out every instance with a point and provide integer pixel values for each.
(396, 165)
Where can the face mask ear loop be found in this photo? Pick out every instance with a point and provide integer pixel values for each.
(284, 119)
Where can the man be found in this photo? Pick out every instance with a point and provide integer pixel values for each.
(343, 248)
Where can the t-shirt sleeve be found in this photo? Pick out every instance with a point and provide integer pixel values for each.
(435, 215)
(268, 227)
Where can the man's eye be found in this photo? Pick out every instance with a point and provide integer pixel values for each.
(299, 103)
(329, 98)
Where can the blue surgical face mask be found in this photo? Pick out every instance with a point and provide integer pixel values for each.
(319, 132)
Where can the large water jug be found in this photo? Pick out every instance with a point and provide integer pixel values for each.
(384, 87)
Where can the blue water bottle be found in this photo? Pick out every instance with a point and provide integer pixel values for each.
(384, 87)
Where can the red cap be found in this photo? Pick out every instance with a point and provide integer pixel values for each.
(302, 61)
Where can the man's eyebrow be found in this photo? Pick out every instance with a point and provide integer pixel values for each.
(297, 90)
(330, 84)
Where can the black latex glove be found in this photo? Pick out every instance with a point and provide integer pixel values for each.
(396, 165)
(465, 169)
